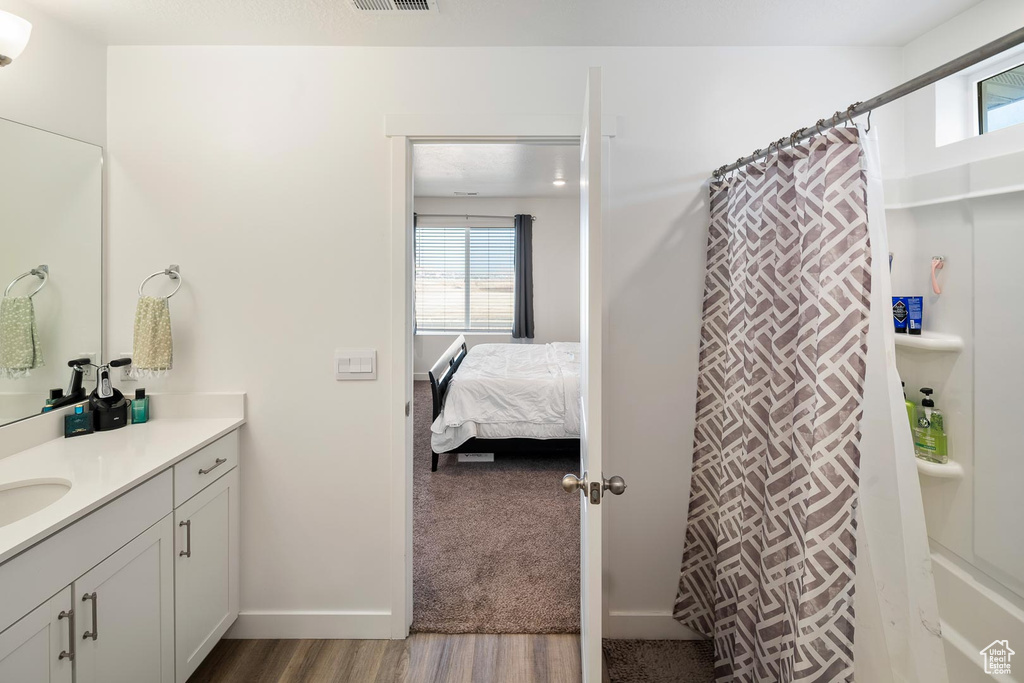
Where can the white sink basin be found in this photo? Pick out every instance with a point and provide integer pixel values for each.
(22, 498)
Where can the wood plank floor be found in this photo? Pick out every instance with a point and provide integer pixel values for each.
(421, 658)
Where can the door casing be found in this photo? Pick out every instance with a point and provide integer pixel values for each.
(405, 131)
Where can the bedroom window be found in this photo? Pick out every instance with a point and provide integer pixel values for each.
(464, 279)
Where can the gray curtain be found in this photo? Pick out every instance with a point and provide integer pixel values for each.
(522, 316)
(771, 544)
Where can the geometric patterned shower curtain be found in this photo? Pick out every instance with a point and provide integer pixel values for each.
(771, 541)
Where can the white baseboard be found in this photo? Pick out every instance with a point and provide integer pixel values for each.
(326, 625)
(421, 376)
(646, 626)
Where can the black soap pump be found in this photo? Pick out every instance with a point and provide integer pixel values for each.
(109, 407)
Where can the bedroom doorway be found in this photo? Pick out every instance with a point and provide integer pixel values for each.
(495, 266)
(585, 482)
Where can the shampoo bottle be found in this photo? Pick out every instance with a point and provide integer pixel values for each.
(930, 435)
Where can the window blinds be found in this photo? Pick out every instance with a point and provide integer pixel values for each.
(464, 279)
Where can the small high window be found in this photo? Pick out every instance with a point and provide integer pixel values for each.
(1001, 100)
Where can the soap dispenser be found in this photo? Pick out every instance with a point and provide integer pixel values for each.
(108, 406)
(930, 434)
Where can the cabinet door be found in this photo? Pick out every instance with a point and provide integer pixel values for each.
(124, 618)
(205, 572)
(38, 647)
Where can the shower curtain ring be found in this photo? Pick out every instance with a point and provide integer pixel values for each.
(849, 112)
(818, 125)
(868, 129)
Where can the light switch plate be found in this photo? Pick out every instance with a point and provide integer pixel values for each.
(355, 364)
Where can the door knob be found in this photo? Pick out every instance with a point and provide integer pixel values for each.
(571, 483)
(616, 485)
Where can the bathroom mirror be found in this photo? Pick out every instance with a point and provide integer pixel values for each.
(50, 263)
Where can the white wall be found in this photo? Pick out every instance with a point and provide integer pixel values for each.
(265, 173)
(556, 268)
(59, 81)
(58, 84)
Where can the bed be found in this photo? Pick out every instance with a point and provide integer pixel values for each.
(504, 398)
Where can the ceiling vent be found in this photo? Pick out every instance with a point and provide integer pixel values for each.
(390, 6)
(466, 194)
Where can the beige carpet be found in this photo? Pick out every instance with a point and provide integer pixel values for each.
(659, 661)
(495, 545)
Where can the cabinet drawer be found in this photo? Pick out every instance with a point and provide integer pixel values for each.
(204, 467)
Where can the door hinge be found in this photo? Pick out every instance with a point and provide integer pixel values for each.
(408, 408)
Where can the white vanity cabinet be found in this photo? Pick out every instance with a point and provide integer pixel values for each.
(141, 588)
(205, 572)
(39, 647)
(124, 622)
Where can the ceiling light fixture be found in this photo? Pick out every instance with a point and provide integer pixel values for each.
(558, 182)
(14, 33)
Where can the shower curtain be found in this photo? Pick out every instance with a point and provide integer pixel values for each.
(805, 514)
(770, 553)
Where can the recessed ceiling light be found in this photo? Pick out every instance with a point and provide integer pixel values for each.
(558, 182)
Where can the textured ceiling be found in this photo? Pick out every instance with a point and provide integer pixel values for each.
(495, 170)
(509, 22)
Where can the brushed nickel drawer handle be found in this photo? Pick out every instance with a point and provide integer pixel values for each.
(187, 552)
(95, 632)
(216, 463)
(70, 652)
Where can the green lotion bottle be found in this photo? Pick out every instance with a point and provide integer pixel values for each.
(930, 434)
(911, 409)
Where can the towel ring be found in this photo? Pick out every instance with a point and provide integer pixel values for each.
(42, 272)
(172, 272)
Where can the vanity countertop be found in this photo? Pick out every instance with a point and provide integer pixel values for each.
(100, 467)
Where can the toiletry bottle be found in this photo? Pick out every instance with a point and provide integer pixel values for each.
(900, 313)
(78, 422)
(911, 408)
(140, 407)
(930, 435)
(915, 314)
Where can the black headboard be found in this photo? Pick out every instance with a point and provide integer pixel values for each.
(443, 370)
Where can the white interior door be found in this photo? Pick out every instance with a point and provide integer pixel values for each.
(591, 323)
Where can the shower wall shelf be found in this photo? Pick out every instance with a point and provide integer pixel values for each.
(930, 341)
(951, 470)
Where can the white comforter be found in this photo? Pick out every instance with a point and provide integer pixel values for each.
(504, 391)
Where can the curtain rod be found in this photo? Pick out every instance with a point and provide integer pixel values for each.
(858, 108)
(467, 216)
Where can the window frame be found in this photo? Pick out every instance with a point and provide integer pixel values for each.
(465, 329)
(982, 117)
